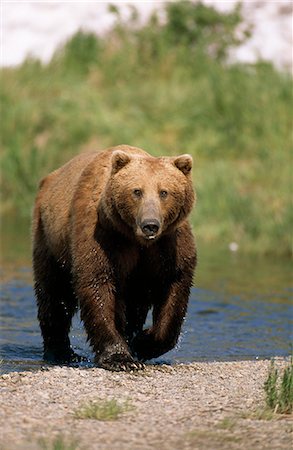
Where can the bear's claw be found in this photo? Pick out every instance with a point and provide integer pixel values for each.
(122, 366)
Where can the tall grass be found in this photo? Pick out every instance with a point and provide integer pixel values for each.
(168, 89)
(279, 389)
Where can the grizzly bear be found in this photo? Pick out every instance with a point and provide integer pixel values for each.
(110, 235)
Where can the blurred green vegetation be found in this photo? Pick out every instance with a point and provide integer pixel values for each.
(165, 87)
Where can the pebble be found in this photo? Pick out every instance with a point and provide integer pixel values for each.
(6, 376)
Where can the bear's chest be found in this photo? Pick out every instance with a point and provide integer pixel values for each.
(126, 259)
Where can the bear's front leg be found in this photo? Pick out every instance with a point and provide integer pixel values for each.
(170, 304)
(163, 335)
(102, 312)
(168, 317)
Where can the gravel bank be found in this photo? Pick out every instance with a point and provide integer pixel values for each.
(197, 406)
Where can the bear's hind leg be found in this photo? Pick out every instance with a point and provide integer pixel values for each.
(56, 306)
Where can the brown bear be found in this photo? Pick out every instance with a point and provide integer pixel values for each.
(110, 235)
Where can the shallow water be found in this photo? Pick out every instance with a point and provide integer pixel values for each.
(241, 309)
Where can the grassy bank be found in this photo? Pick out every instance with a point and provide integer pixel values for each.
(167, 89)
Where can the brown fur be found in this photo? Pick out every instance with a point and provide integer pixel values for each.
(110, 233)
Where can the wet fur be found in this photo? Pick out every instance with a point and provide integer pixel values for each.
(86, 252)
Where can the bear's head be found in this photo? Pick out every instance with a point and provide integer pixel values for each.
(147, 196)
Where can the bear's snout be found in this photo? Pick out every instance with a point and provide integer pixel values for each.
(150, 228)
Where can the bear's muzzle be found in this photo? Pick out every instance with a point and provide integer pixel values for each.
(150, 228)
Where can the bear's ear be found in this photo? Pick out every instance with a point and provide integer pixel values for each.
(183, 163)
(119, 160)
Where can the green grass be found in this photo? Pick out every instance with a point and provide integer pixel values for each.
(279, 389)
(228, 423)
(104, 410)
(59, 443)
(168, 90)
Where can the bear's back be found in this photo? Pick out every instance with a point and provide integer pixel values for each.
(52, 207)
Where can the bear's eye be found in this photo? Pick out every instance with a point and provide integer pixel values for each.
(163, 194)
(137, 193)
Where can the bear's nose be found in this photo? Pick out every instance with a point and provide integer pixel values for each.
(150, 227)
